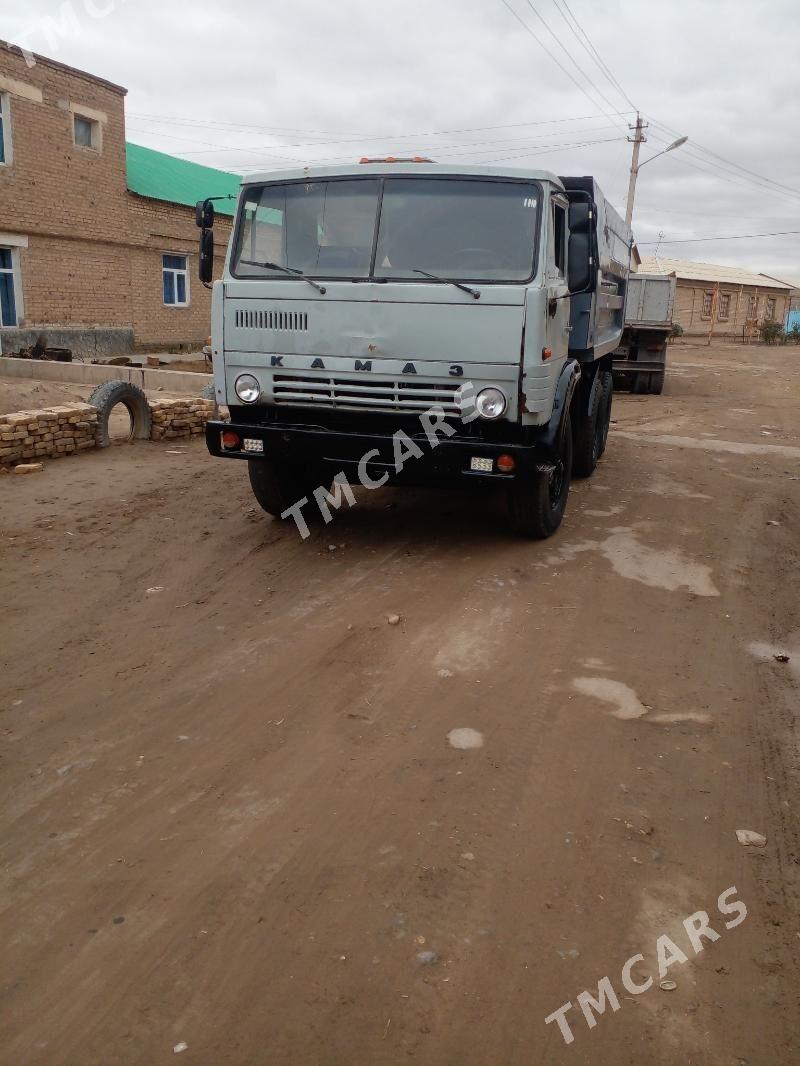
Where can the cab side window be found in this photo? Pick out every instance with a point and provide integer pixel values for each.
(559, 220)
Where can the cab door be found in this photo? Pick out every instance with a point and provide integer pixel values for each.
(558, 328)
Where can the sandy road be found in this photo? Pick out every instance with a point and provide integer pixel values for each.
(231, 815)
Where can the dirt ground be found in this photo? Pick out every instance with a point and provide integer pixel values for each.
(233, 816)
(26, 394)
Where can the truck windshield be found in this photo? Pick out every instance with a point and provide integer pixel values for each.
(463, 229)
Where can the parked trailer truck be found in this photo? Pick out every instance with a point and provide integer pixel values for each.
(467, 312)
(641, 359)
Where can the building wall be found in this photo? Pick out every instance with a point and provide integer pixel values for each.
(89, 251)
(79, 283)
(169, 229)
(52, 186)
(689, 298)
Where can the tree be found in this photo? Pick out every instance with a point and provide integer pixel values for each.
(771, 332)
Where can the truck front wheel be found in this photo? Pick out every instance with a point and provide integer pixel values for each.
(537, 502)
(276, 486)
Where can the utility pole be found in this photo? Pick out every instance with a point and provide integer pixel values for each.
(637, 139)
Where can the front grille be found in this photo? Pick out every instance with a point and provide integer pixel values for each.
(385, 394)
(284, 321)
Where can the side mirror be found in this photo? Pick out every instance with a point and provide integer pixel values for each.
(204, 214)
(207, 256)
(581, 267)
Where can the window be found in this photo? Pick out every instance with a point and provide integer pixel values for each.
(559, 239)
(5, 129)
(176, 280)
(771, 309)
(708, 303)
(8, 294)
(471, 230)
(456, 228)
(752, 306)
(86, 132)
(724, 307)
(322, 228)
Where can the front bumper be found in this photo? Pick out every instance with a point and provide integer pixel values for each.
(339, 451)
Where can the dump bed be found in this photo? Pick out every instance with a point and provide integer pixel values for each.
(650, 301)
(596, 317)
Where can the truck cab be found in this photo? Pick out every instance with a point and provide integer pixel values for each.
(408, 322)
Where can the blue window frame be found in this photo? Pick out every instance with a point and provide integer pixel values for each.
(8, 300)
(175, 280)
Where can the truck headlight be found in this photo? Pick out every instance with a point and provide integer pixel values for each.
(247, 388)
(490, 403)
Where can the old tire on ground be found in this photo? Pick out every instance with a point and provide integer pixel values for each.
(277, 486)
(586, 435)
(607, 381)
(537, 503)
(657, 382)
(106, 397)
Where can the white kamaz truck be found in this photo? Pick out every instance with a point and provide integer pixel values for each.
(407, 322)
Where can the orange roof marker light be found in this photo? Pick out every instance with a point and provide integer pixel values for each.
(395, 159)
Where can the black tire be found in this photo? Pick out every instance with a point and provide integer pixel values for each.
(657, 383)
(641, 383)
(106, 397)
(607, 381)
(537, 503)
(276, 486)
(586, 436)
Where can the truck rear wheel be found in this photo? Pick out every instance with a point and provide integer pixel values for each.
(588, 431)
(607, 381)
(640, 383)
(657, 382)
(537, 502)
(276, 486)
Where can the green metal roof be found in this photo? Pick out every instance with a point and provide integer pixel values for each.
(164, 177)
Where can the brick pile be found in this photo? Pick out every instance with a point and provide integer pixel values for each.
(47, 434)
(180, 418)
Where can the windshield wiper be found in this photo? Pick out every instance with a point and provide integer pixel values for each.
(286, 270)
(449, 281)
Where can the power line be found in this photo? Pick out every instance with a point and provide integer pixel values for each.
(570, 57)
(175, 120)
(555, 148)
(589, 48)
(529, 150)
(734, 237)
(194, 140)
(730, 163)
(740, 180)
(421, 146)
(545, 49)
(374, 137)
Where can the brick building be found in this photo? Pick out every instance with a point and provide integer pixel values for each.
(728, 301)
(98, 245)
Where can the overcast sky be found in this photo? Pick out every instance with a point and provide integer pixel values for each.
(258, 84)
